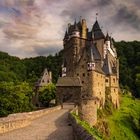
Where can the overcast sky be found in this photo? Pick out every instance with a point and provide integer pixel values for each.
(30, 28)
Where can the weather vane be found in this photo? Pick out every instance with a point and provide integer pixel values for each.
(96, 16)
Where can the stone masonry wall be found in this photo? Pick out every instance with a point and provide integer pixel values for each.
(87, 111)
(19, 120)
(79, 132)
(99, 87)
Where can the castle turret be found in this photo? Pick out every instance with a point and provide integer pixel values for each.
(107, 41)
(84, 29)
(109, 45)
(91, 62)
(98, 38)
(75, 31)
(66, 37)
(97, 32)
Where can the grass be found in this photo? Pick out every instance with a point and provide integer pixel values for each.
(93, 131)
(124, 124)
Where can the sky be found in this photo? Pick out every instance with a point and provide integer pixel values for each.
(30, 28)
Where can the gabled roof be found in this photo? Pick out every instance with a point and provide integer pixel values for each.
(69, 82)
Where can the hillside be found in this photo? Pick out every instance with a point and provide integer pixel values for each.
(124, 124)
(28, 69)
(129, 57)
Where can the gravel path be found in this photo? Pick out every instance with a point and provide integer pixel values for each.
(53, 126)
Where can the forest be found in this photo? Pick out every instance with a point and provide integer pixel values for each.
(18, 76)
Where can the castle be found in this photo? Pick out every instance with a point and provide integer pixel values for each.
(92, 67)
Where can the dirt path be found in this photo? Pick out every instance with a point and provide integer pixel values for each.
(53, 126)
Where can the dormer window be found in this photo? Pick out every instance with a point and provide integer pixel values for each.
(90, 66)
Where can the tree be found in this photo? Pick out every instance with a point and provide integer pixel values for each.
(15, 98)
(46, 94)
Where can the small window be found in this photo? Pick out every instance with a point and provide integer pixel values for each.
(106, 80)
(95, 102)
(83, 74)
(114, 80)
(82, 66)
(114, 90)
(77, 74)
(43, 81)
(88, 74)
(82, 82)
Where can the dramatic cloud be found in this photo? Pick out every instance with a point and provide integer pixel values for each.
(36, 27)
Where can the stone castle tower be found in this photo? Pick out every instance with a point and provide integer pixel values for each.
(91, 57)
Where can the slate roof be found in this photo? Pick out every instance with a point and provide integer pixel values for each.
(96, 26)
(96, 53)
(107, 65)
(69, 82)
(98, 34)
(98, 68)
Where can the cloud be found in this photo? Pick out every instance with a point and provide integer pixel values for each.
(45, 51)
(128, 17)
(36, 27)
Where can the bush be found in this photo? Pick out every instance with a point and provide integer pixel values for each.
(15, 98)
(46, 94)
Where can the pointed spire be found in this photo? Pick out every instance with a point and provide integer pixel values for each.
(66, 34)
(97, 32)
(96, 26)
(75, 26)
(107, 37)
(91, 61)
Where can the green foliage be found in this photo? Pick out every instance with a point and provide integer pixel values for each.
(129, 57)
(125, 123)
(46, 94)
(137, 82)
(14, 69)
(92, 130)
(15, 98)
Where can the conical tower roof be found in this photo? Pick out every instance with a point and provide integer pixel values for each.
(66, 35)
(96, 26)
(97, 32)
(107, 37)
